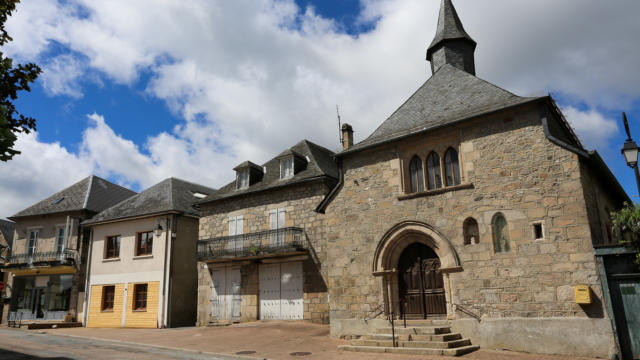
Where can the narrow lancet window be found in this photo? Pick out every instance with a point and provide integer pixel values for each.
(417, 179)
(500, 234)
(434, 177)
(451, 167)
(471, 231)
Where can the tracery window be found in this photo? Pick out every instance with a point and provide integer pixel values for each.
(417, 180)
(471, 231)
(500, 234)
(451, 167)
(434, 176)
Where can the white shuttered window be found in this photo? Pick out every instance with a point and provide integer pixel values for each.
(276, 222)
(236, 228)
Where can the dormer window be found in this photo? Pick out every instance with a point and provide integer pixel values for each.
(242, 181)
(286, 168)
(248, 174)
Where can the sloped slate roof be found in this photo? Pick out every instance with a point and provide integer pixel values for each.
(171, 194)
(450, 95)
(91, 193)
(7, 228)
(320, 164)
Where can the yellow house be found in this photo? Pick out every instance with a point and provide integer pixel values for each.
(142, 269)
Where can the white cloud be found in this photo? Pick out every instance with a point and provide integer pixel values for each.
(593, 128)
(250, 77)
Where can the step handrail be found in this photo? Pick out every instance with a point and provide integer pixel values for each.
(379, 309)
(464, 310)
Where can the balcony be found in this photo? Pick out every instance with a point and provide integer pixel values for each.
(270, 243)
(65, 257)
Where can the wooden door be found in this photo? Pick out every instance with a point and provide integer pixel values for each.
(626, 304)
(422, 289)
(269, 291)
(218, 278)
(291, 304)
(226, 297)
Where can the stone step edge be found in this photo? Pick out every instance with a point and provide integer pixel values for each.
(414, 351)
(418, 344)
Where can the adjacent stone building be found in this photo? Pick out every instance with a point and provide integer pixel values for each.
(261, 246)
(47, 265)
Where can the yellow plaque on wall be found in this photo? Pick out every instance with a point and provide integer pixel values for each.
(583, 294)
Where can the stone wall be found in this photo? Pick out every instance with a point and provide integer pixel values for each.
(508, 166)
(299, 202)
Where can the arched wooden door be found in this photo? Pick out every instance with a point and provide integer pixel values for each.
(421, 285)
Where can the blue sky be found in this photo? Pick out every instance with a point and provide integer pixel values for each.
(139, 91)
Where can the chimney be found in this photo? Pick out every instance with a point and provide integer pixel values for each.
(347, 136)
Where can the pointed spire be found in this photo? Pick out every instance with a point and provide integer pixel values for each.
(451, 45)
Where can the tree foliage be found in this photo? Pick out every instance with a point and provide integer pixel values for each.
(12, 80)
(626, 223)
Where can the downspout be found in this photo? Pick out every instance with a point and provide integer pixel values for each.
(325, 202)
(164, 272)
(170, 266)
(87, 288)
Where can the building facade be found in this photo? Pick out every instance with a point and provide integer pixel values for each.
(142, 270)
(476, 206)
(7, 229)
(261, 246)
(47, 265)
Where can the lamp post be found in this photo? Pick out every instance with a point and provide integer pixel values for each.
(630, 151)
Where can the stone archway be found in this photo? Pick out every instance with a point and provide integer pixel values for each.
(390, 249)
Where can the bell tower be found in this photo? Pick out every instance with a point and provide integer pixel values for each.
(451, 45)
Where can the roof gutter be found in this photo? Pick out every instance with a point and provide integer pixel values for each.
(91, 223)
(327, 199)
(424, 130)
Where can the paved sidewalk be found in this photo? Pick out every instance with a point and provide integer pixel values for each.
(271, 340)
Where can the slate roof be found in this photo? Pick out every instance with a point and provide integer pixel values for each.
(449, 96)
(320, 164)
(7, 229)
(91, 193)
(449, 27)
(171, 194)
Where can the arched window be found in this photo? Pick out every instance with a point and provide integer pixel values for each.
(451, 167)
(417, 177)
(471, 232)
(500, 234)
(434, 178)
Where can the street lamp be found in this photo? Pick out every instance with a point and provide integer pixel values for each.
(630, 151)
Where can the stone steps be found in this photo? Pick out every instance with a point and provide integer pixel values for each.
(415, 330)
(411, 351)
(413, 344)
(420, 337)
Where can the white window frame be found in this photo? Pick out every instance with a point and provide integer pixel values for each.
(287, 168)
(31, 249)
(242, 179)
(277, 219)
(236, 227)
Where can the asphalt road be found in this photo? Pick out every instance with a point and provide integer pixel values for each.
(23, 345)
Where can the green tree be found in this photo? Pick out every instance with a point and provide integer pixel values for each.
(12, 80)
(626, 223)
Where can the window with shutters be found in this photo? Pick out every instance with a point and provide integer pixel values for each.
(60, 240)
(236, 230)
(500, 234)
(276, 226)
(32, 243)
(434, 177)
(417, 176)
(451, 167)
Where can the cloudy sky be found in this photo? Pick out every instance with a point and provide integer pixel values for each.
(137, 91)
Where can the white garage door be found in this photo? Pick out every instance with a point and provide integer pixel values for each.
(281, 291)
(225, 294)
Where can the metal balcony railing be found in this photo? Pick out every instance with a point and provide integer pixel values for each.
(253, 244)
(67, 256)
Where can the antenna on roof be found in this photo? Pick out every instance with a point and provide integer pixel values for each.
(339, 126)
